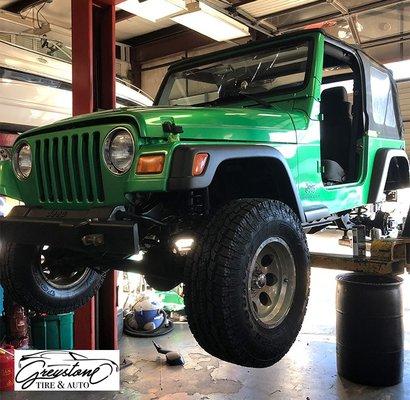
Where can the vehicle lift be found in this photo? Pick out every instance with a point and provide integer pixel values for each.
(93, 52)
(387, 256)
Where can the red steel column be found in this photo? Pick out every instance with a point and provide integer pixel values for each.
(93, 71)
(83, 102)
(82, 48)
(104, 61)
(104, 56)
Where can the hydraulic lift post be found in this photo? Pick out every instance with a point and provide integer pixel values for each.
(93, 70)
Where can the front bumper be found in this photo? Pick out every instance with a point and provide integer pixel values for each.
(87, 231)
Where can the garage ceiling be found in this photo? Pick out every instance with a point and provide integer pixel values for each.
(136, 26)
(260, 8)
(59, 13)
(380, 26)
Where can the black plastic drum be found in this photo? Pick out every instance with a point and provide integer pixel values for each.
(369, 329)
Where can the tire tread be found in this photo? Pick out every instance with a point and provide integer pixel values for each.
(210, 280)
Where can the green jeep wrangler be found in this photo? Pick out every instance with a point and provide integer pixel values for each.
(245, 151)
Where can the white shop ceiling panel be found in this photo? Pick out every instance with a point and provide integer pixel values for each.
(260, 8)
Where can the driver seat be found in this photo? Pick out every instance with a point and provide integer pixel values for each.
(335, 134)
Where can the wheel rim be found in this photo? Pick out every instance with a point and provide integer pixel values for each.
(271, 282)
(60, 276)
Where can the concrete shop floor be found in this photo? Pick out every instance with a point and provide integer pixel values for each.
(307, 372)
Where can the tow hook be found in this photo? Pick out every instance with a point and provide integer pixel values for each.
(95, 239)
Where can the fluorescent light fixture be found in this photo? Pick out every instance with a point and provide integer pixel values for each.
(211, 23)
(153, 10)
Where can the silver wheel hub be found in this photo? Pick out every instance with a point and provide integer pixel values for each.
(271, 282)
(60, 277)
(260, 281)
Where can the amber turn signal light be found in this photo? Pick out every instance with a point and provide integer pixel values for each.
(199, 164)
(150, 164)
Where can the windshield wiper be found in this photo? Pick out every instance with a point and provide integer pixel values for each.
(236, 96)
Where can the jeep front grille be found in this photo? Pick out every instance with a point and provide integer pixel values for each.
(69, 168)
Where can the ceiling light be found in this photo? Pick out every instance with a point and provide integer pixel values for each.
(211, 23)
(153, 10)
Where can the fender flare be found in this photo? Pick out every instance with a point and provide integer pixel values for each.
(180, 177)
(381, 166)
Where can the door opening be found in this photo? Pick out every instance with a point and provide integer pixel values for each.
(341, 107)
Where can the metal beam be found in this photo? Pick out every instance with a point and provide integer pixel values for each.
(135, 68)
(387, 256)
(165, 33)
(350, 18)
(82, 53)
(108, 2)
(353, 27)
(165, 42)
(238, 3)
(22, 5)
(82, 71)
(122, 15)
(399, 38)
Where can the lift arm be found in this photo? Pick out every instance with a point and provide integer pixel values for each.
(387, 256)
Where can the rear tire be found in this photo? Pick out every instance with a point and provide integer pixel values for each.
(23, 278)
(243, 307)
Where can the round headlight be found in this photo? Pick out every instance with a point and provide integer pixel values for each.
(22, 161)
(119, 150)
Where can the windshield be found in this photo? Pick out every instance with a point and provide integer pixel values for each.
(251, 76)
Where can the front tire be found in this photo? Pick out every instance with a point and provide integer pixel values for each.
(42, 288)
(247, 285)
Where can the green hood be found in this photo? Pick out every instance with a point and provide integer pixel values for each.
(198, 123)
(207, 123)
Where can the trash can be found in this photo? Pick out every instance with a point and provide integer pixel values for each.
(53, 332)
(6, 368)
(369, 329)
